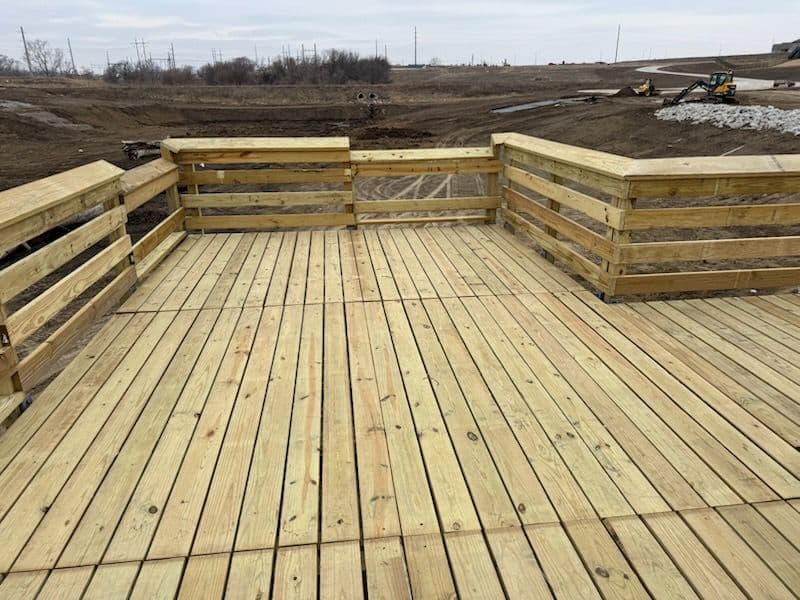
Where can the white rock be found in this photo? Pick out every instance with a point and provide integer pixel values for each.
(734, 117)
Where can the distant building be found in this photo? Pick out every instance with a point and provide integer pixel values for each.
(790, 49)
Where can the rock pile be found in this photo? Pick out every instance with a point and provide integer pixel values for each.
(735, 117)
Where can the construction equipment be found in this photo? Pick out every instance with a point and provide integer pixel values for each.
(719, 88)
(647, 88)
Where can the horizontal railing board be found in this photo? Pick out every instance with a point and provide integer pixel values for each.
(25, 201)
(358, 157)
(585, 237)
(408, 220)
(275, 144)
(172, 223)
(245, 222)
(28, 319)
(264, 176)
(154, 178)
(763, 165)
(143, 175)
(233, 200)
(698, 188)
(691, 217)
(261, 156)
(154, 257)
(610, 165)
(428, 168)
(39, 223)
(426, 204)
(36, 366)
(690, 250)
(22, 274)
(588, 205)
(594, 180)
(577, 262)
(695, 281)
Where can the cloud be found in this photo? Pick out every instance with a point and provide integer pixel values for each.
(137, 21)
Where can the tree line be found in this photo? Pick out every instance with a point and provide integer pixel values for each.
(330, 68)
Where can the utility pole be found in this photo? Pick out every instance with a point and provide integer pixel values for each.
(415, 45)
(71, 57)
(255, 50)
(108, 59)
(172, 54)
(138, 57)
(616, 52)
(27, 53)
(315, 52)
(386, 52)
(376, 48)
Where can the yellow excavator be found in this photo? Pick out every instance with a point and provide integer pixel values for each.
(647, 88)
(719, 88)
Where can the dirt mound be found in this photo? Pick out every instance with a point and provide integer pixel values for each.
(378, 133)
(787, 64)
(626, 92)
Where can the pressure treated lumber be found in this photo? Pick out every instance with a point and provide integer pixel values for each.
(507, 435)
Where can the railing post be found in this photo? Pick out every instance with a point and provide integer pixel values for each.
(349, 186)
(10, 382)
(493, 183)
(556, 207)
(173, 196)
(617, 236)
(120, 232)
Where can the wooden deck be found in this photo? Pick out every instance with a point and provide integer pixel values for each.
(392, 413)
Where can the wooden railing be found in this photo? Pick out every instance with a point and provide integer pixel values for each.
(427, 162)
(94, 201)
(263, 161)
(626, 226)
(27, 212)
(589, 211)
(313, 163)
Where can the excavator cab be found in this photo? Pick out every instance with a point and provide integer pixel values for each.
(721, 84)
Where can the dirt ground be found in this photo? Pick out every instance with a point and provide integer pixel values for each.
(47, 126)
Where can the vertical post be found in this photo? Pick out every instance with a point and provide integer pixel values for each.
(113, 202)
(349, 186)
(617, 236)
(173, 194)
(415, 46)
(27, 52)
(554, 206)
(71, 57)
(493, 183)
(10, 382)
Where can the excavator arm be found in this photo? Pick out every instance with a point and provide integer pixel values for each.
(686, 91)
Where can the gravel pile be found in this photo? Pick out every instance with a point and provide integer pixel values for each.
(735, 117)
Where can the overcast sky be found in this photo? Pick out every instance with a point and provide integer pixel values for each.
(451, 30)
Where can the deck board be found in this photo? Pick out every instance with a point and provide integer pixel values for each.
(408, 413)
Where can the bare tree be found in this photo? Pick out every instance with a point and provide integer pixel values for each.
(9, 66)
(46, 61)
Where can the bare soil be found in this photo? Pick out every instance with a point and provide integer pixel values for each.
(66, 123)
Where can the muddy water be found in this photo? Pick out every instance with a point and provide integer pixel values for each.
(543, 103)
